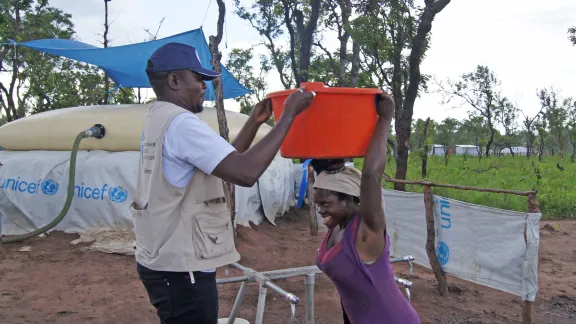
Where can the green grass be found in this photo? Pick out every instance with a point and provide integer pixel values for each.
(556, 189)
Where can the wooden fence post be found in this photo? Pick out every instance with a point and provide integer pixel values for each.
(431, 242)
(528, 306)
(311, 204)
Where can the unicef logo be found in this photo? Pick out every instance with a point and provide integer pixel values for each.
(49, 187)
(443, 253)
(118, 195)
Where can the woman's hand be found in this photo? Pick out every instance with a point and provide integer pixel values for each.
(262, 111)
(385, 107)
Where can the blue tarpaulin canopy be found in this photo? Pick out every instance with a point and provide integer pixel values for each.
(126, 64)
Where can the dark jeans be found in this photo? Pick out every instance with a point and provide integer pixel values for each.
(177, 300)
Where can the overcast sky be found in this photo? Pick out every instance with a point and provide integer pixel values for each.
(523, 41)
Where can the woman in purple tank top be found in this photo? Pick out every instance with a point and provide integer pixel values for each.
(355, 251)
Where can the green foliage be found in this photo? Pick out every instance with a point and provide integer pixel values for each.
(385, 31)
(267, 17)
(422, 137)
(556, 188)
(24, 20)
(555, 113)
(240, 65)
(479, 90)
(446, 133)
(322, 70)
(38, 81)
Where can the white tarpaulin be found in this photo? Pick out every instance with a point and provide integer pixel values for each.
(276, 188)
(475, 243)
(33, 187)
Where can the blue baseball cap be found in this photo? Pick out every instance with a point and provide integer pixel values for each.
(178, 56)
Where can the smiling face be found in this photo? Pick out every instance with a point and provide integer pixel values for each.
(334, 208)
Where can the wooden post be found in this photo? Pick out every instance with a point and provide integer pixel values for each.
(528, 306)
(311, 204)
(214, 42)
(431, 242)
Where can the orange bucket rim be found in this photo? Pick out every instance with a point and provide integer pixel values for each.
(319, 87)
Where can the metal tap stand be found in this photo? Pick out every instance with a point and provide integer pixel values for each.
(264, 279)
(252, 276)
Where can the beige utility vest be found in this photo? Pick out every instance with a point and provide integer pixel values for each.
(178, 229)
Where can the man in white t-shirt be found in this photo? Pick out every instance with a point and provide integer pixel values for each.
(192, 153)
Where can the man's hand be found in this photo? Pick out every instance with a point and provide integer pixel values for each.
(262, 111)
(385, 107)
(297, 102)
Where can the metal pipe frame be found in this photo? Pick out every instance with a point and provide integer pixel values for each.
(296, 272)
(252, 275)
(237, 302)
(309, 281)
(261, 305)
(264, 279)
(408, 258)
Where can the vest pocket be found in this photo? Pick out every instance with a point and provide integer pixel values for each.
(212, 231)
(142, 230)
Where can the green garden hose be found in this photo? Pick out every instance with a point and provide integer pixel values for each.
(96, 131)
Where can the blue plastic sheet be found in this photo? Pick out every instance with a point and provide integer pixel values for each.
(126, 64)
(304, 183)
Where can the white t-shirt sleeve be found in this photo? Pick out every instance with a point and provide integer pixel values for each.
(193, 141)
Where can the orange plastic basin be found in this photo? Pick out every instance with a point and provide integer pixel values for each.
(338, 124)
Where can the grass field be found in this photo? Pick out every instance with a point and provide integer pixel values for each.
(556, 188)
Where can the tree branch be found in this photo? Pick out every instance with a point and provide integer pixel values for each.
(330, 57)
(355, 64)
(346, 11)
(216, 58)
(403, 123)
(306, 39)
(288, 23)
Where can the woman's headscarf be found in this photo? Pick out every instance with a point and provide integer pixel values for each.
(346, 181)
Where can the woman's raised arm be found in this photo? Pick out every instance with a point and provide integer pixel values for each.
(374, 164)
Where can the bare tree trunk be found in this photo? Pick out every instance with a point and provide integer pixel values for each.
(510, 148)
(491, 139)
(346, 11)
(305, 36)
(479, 150)
(106, 28)
(404, 117)
(425, 153)
(541, 151)
(431, 243)
(288, 21)
(394, 148)
(355, 64)
(219, 94)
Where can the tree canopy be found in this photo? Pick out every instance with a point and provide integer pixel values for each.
(38, 81)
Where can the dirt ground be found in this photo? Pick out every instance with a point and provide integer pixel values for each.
(57, 282)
